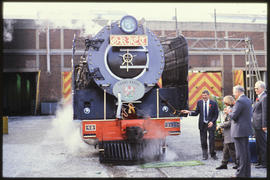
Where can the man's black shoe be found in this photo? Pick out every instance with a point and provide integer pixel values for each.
(261, 166)
(205, 158)
(215, 157)
(223, 166)
(235, 167)
(258, 164)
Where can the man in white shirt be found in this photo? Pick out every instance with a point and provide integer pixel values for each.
(208, 111)
(260, 123)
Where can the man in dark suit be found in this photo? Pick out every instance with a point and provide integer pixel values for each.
(208, 111)
(241, 129)
(260, 123)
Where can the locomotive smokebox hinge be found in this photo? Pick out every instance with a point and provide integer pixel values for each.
(95, 73)
(95, 44)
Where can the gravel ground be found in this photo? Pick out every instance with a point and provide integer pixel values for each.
(49, 146)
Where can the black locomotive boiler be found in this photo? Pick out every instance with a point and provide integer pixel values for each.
(129, 90)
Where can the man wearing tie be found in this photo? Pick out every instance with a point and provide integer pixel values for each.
(208, 111)
(240, 115)
(260, 123)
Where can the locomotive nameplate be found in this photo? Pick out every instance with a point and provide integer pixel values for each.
(128, 40)
(90, 127)
(130, 89)
(172, 124)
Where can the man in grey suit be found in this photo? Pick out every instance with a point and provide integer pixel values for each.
(260, 123)
(241, 129)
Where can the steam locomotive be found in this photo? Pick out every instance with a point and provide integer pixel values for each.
(129, 88)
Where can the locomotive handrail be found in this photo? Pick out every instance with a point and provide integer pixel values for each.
(72, 67)
(157, 102)
(125, 102)
(169, 104)
(105, 104)
(119, 106)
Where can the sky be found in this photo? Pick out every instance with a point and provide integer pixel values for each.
(200, 12)
(60, 15)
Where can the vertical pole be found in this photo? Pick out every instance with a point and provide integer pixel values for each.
(62, 48)
(215, 28)
(265, 47)
(157, 102)
(104, 104)
(62, 64)
(246, 69)
(72, 68)
(5, 124)
(222, 73)
(37, 93)
(48, 50)
(176, 28)
(37, 48)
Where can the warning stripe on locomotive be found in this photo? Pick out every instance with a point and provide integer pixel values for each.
(238, 78)
(66, 91)
(198, 82)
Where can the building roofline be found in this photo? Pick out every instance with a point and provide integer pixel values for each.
(163, 25)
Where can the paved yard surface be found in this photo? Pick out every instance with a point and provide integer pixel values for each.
(50, 146)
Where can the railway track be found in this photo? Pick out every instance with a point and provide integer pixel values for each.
(165, 174)
(133, 171)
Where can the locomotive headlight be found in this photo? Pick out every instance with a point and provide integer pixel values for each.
(128, 24)
(86, 110)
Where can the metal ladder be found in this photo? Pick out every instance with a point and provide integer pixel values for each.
(251, 69)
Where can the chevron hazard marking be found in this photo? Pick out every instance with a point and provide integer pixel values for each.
(198, 82)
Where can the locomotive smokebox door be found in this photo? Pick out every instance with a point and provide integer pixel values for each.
(127, 52)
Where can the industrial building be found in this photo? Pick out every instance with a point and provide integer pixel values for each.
(36, 55)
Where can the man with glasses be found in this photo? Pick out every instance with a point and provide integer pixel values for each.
(260, 123)
(208, 111)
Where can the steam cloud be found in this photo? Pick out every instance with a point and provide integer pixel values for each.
(68, 130)
(86, 26)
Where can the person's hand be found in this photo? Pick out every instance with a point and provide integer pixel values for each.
(264, 129)
(217, 127)
(227, 110)
(210, 124)
(185, 111)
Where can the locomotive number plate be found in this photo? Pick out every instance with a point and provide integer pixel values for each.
(172, 124)
(128, 40)
(90, 127)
